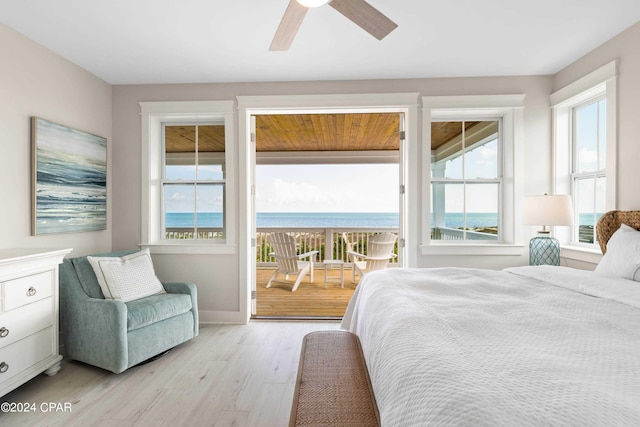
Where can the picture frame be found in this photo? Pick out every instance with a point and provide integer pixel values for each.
(69, 179)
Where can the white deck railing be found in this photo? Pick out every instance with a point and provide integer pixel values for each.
(319, 239)
(203, 233)
(444, 233)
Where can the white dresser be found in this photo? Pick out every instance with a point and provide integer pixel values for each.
(28, 315)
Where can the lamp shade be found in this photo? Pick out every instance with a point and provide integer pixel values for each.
(548, 210)
(313, 3)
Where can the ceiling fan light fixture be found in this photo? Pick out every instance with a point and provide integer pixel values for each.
(313, 3)
(360, 12)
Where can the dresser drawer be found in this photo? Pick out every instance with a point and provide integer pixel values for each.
(27, 289)
(18, 324)
(22, 354)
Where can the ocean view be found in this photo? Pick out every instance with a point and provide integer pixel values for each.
(291, 220)
(337, 220)
(327, 219)
(324, 219)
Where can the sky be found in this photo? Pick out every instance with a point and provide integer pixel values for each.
(327, 188)
(482, 162)
(591, 156)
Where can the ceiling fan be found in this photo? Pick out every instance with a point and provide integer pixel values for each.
(360, 12)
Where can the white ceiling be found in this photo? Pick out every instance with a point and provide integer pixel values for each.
(189, 41)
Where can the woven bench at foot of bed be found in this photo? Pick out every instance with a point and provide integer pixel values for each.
(333, 386)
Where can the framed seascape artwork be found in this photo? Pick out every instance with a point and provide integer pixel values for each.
(69, 179)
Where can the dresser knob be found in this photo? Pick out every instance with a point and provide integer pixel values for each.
(31, 291)
(3, 332)
(3, 367)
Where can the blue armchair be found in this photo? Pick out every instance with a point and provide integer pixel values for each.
(115, 335)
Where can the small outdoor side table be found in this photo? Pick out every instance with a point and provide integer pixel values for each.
(329, 264)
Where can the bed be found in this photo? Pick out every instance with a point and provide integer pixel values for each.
(531, 345)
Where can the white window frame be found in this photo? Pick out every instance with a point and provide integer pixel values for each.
(578, 176)
(470, 181)
(508, 109)
(599, 83)
(153, 116)
(193, 159)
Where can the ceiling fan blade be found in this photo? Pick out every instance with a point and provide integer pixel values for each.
(288, 27)
(365, 16)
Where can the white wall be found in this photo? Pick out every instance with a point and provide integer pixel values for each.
(217, 276)
(626, 49)
(36, 82)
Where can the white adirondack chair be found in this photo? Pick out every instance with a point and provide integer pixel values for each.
(379, 252)
(284, 251)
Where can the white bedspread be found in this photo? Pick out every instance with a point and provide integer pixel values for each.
(533, 346)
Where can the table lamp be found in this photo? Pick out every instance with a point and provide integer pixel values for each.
(545, 211)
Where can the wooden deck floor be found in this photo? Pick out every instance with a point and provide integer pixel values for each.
(309, 300)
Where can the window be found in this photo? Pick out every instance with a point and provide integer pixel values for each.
(475, 167)
(187, 187)
(588, 167)
(466, 180)
(194, 181)
(584, 126)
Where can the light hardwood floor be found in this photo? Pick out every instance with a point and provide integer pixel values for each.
(230, 375)
(310, 299)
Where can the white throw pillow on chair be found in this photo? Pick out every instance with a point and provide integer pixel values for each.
(126, 278)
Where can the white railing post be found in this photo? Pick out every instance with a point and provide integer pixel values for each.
(328, 243)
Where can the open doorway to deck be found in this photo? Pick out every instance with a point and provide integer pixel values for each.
(332, 181)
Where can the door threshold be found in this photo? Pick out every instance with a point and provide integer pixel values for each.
(298, 318)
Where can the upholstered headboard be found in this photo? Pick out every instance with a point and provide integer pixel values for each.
(611, 221)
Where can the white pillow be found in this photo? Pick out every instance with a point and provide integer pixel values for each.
(126, 278)
(623, 255)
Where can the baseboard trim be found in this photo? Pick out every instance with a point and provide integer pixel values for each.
(215, 316)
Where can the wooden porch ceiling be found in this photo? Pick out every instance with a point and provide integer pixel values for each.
(182, 139)
(442, 132)
(327, 132)
(311, 132)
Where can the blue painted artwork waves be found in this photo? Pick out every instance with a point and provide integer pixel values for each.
(71, 179)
